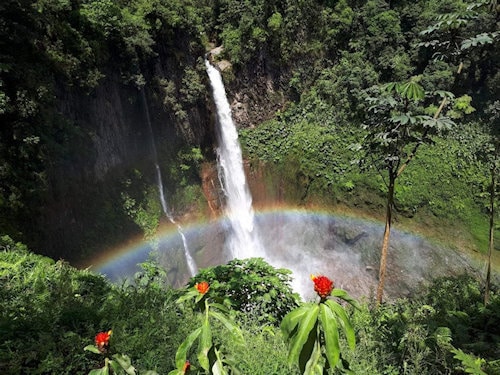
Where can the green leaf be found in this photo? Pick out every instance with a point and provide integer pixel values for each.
(472, 364)
(439, 124)
(205, 345)
(125, 363)
(402, 119)
(181, 354)
(444, 94)
(314, 365)
(291, 320)
(308, 348)
(101, 371)
(389, 87)
(306, 324)
(481, 39)
(218, 366)
(92, 348)
(230, 326)
(331, 334)
(190, 294)
(344, 322)
(411, 90)
(342, 294)
(219, 307)
(116, 367)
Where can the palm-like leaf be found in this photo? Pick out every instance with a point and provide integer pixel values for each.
(181, 354)
(300, 336)
(205, 344)
(342, 317)
(331, 334)
(343, 295)
(231, 327)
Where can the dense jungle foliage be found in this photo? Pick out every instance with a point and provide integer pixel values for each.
(50, 311)
(330, 67)
(323, 59)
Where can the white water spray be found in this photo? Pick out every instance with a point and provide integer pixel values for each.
(243, 242)
(189, 259)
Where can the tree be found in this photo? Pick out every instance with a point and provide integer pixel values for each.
(397, 125)
(491, 153)
(253, 287)
(470, 36)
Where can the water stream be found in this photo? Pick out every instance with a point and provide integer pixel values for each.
(243, 241)
(193, 270)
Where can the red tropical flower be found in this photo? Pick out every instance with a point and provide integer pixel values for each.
(202, 287)
(186, 367)
(322, 285)
(102, 340)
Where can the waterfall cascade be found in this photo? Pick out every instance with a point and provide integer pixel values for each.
(193, 270)
(243, 241)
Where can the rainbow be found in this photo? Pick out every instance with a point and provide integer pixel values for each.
(123, 260)
(304, 241)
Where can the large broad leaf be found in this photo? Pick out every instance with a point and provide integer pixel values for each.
(342, 294)
(306, 324)
(344, 322)
(479, 39)
(308, 349)
(190, 294)
(472, 364)
(181, 355)
(439, 124)
(92, 348)
(218, 366)
(233, 329)
(401, 119)
(389, 87)
(331, 333)
(411, 90)
(101, 371)
(291, 320)
(219, 307)
(124, 362)
(314, 365)
(205, 345)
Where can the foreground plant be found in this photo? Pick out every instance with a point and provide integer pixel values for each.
(209, 354)
(118, 363)
(312, 330)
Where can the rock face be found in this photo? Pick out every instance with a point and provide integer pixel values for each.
(82, 210)
(111, 138)
(254, 93)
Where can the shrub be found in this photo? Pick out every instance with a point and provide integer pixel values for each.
(254, 287)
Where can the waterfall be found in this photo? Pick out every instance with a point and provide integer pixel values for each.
(243, 241)
(189, 259)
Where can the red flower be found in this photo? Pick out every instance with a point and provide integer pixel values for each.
(186, 367)
(322, 285)
(202, 287)
(102, 340)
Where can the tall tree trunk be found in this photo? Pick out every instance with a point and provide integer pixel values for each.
(492, 233)
(387, 234)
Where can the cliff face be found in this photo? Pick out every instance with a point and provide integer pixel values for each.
(110, 137)
(256, 92)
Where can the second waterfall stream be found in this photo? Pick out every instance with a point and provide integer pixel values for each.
(243, 241)
(193, 270)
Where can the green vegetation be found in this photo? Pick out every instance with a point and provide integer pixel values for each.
(253, 287)
(331, 68)
(321, 59)
(50, 312)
